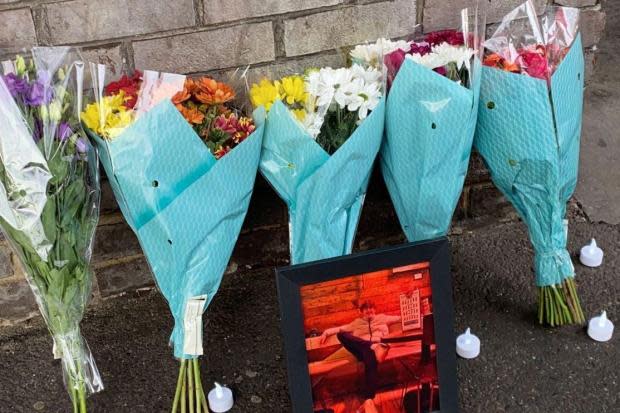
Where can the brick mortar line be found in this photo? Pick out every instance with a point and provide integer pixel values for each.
(199, 28)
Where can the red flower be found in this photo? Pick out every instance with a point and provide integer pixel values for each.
(451, 37)
(535, 62)
(129, 85)
(221, 151)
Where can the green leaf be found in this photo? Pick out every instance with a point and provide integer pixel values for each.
(48, 219)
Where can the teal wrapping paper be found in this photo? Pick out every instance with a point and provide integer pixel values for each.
(429, 128)
(185, 207)
(324, 194)
(528, 135)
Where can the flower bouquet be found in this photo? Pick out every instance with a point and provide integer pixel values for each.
(49, 199)
(322, 134)
(529, 126)
(182, 162)
(431, 112)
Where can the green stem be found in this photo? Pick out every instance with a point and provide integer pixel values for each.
(540, 306)
(177, 393)
(74, 398)
(82, 393)
(197, 384)
(190, 381)
(184, 395)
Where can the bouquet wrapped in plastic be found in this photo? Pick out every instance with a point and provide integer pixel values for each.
(430, 120)
(322, 134)
(49, 198)
(531, 102)
(181, 160)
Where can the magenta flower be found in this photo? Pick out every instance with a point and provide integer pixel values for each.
(421, 48)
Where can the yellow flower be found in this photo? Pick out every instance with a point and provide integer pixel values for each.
(117, 123)
(264, 93)
(109, 117)
(300, 114)
(294, 89)
(90, 117)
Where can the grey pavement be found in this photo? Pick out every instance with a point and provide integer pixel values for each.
(522, 368)
(598, 190)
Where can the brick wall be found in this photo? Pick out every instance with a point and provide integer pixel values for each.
(203, 36)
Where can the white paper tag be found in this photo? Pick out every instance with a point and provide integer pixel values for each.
(192, 325)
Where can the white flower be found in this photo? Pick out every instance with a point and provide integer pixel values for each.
(312, 124)
(323, 83)
(460, 55)
(356, 89)
(444, 54)
(366, 99)
(372, 54)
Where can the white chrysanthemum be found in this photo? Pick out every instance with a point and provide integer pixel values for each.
(460, 55)
(443, 54)
(370, 75)
(366, 99)
(312, 124)
(372, 53)
(356, 89)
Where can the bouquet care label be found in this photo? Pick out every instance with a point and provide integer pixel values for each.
(192, 325)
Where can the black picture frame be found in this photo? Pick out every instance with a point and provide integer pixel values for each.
(290, 279)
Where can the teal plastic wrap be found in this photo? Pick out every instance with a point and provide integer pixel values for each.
(185, 207)
(528, 135)
(324, 194)
(430, 124)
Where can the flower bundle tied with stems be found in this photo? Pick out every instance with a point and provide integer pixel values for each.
(182, 162)
(528, 134)
(322, 134)
(49, 199)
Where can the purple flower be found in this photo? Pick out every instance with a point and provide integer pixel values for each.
(37, 132)
(81, 146)
(44, 77)
(38, 94)
(63, 132)
(15, 84)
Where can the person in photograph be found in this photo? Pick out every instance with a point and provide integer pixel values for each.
(362, 337)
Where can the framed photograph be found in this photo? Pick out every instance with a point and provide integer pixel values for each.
(371, 332)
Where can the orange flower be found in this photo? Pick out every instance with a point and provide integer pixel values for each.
(192, 115)
(495, 60)
(212, 92)
(189, 87)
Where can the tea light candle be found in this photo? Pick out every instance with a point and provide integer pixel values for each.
(220, 399)
(468, 345)
(591, 255)
(600, 328)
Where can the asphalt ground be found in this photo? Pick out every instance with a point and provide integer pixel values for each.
(522, 367)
